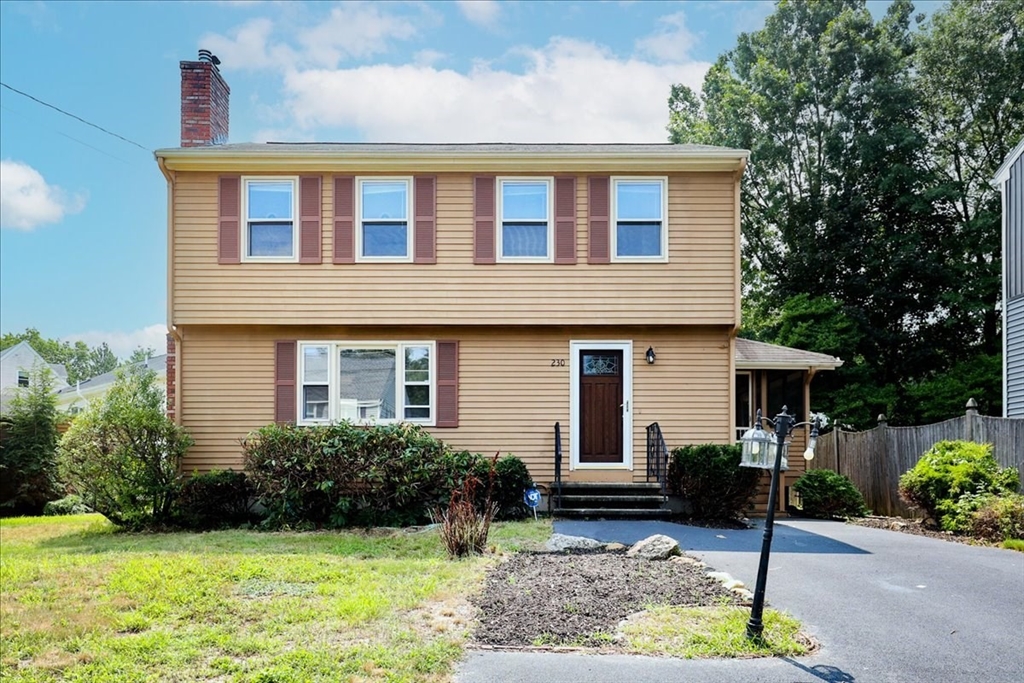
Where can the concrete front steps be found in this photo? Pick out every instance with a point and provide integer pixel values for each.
(592, 500)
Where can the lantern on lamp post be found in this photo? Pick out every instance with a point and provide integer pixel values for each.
(764, 450)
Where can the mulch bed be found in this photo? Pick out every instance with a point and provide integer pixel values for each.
(579, 598)
(915, 527)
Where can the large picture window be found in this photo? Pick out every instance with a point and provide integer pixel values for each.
(270, 218)
(639, 225)
(525, 225)
(366, 383)
(384, 218)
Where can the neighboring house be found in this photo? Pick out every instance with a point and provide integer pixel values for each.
(1010, 181)
(16, 365)
(73, 399)
(484, 291)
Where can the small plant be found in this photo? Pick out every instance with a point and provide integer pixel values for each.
(709, 476)
(68, 505)
(463, 527)
(122, 453)
(827, 494)
(215, 500)
(949, 470)
(999, 518)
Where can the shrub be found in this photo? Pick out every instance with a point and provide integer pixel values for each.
(827, 494)
(709, 476)
(511, 479)
(999, 518)
(465, 524)
(122, 454)
(68, 505)
(949, 470)
(28, 464)
(215, 500)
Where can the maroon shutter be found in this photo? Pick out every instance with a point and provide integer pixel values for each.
(483, 219)
(344, 219)
(310, 234)
(285, 370)
(565, 220)
(424, 233)
(447, 384)
(598, 241)
(229, 229)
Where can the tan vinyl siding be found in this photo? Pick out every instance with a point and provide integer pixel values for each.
(697, 286)
(509, 394)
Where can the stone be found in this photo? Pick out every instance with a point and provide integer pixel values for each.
(657, 547)
(560, 542)
(614, 547)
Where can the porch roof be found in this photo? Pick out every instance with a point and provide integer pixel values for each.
(755, 355)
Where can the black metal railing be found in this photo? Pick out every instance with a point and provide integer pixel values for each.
(657, 457)
(558, 466)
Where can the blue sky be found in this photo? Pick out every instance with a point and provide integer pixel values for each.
(83, 215)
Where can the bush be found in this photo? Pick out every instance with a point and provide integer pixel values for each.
(949, 470)
(28, 463)
(343, 475)
(709, 476)
(999, 518)
(465, 524)
(68, 505)
(122, 454)
(216, 500)
(827, 494)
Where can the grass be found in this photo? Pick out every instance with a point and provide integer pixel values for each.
(693, 632)
(82, 603)
(1014, 544)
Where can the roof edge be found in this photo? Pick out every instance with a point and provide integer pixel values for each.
(1003, 172)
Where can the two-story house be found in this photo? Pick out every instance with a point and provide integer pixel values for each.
(17, 364)
(484, 291)
(1009, 179)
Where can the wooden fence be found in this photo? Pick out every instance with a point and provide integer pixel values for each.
(875, 459)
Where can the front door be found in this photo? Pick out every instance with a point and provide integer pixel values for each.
(601, 406)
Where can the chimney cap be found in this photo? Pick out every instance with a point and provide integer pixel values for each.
(207, 56)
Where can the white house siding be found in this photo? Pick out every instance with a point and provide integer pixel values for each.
(1013, 286)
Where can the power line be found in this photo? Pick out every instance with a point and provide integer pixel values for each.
(77, 118)
(74, 139)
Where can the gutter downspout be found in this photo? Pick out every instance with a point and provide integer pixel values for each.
(171, 327)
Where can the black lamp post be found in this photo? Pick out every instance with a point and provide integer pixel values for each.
(754, 440)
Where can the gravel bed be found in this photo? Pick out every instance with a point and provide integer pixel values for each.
(913, 526)
(579, 598)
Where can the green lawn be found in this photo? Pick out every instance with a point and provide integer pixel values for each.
(81, 603)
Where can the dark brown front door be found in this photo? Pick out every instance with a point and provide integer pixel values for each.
(600, 406)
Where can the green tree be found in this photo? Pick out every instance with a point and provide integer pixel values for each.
(122, 454)
(140, 354)
(81, 361)
(28, 465)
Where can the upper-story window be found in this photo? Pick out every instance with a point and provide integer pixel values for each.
(524, 232)
(384, 208)
(269, 210)
(639, 209)
(22, 378)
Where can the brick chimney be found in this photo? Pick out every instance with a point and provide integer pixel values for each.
(204, 102)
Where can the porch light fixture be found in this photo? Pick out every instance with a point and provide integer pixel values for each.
(757, 450)
(651, 355)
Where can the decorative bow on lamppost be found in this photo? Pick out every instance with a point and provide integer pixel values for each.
(764, 450)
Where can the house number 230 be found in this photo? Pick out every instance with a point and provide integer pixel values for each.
(558, 362)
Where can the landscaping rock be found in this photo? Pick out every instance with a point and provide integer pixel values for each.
(614, 547)
(657, 547)
(560, 543)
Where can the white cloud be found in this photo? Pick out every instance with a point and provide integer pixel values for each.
(570, 91)
(27, 201)
(123, 343)
(672, 41)
(480, 12)
(350, 31)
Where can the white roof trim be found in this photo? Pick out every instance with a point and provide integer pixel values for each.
(1003, 174)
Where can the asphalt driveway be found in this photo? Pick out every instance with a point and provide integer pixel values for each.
(887, 607)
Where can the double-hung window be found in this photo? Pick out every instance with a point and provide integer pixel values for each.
(384, 208)
(366, 383)
(524, 232)
(269, 212)
(639, 209)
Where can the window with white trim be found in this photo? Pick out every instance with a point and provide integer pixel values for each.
(524, 225)
(269, 208)
(366, 383)
(639, 226)
(384, 227)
